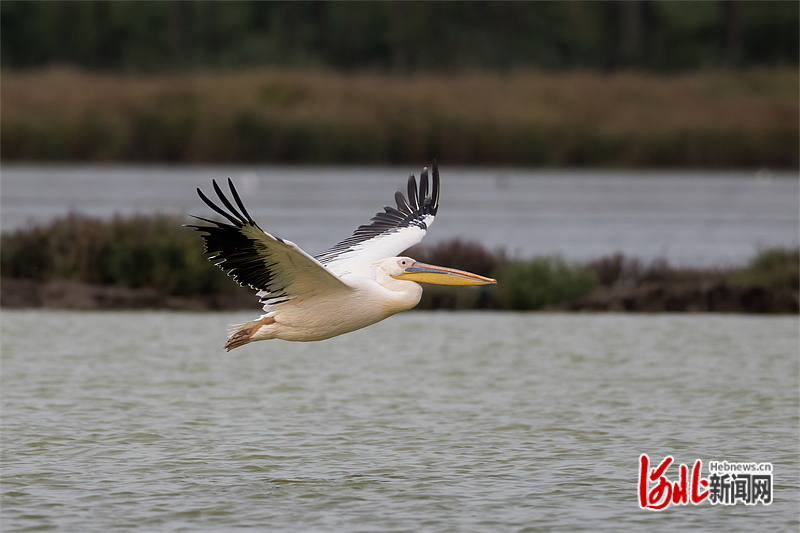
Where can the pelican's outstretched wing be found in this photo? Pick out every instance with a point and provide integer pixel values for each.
(390, 232)
(275, 267)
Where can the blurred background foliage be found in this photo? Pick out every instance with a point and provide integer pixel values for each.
(138, 251)
(610, 84)
(719, 119)
(398, 37)
(157, 252)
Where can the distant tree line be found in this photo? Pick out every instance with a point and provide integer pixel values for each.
(398, 36)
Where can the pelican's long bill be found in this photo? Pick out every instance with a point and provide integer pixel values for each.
(424, 273)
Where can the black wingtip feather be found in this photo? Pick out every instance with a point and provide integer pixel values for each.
(238, 200)
(435, 190)
(203, 219)
(413, 195)
(217, 209)
(423, 186)
(402, 204)
(227, 203)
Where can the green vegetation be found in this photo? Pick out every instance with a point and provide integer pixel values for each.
(522, 284)
(131, 252)
(541, 282)
(156, 252)
(772, 267)
(626, 119)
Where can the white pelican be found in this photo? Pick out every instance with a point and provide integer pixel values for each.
(354, 284)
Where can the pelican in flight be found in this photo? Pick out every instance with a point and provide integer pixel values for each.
(355, 283)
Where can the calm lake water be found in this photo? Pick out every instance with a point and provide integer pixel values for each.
(691, 218)
(424, 422)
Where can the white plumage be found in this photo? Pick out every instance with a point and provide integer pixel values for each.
(353, 284)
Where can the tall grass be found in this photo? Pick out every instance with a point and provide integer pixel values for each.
(720, 118)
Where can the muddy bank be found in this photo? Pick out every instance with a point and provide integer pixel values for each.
(653, 297)
(20, 293)
(16, 293)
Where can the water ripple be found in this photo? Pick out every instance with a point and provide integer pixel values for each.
(425, 422)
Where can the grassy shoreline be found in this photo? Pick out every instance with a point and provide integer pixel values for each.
(719, 119)
(153, 262)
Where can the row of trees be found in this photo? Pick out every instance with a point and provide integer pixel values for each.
(398, 36)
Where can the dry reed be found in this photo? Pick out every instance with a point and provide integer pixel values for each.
(719, 118)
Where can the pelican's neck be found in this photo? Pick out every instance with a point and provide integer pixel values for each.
(403, 294)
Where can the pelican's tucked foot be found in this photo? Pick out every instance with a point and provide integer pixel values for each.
(244, 332)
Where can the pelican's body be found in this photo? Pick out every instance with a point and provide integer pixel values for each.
(317, 316)
(352, 285)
